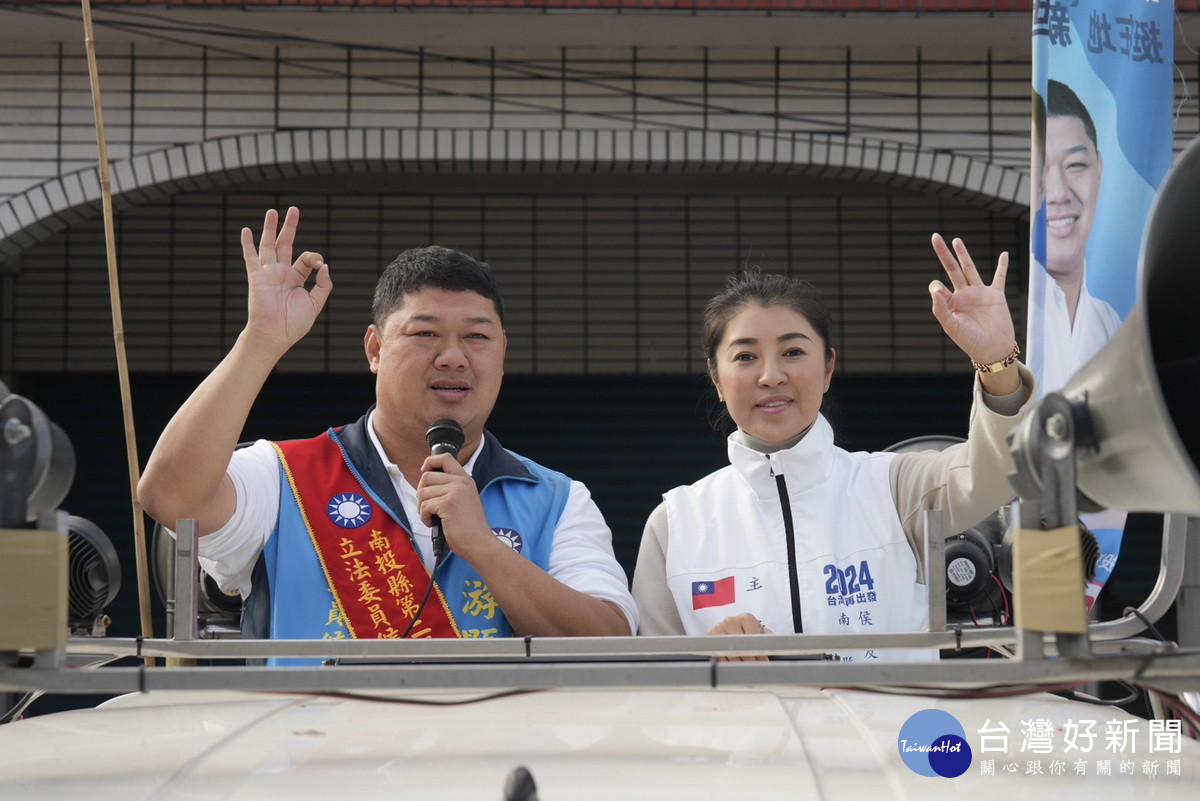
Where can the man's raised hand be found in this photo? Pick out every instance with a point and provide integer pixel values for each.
(281, 309)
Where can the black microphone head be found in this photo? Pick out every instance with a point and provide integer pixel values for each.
(445, 436)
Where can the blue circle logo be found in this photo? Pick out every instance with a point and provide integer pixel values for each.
(349, 510)
(933, 743)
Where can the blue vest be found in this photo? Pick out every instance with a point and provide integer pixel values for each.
(522, 502)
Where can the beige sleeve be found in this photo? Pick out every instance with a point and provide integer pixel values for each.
(656, 606)
(967, 481)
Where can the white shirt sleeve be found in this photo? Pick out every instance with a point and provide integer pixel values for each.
(582, 557)
(230, 552)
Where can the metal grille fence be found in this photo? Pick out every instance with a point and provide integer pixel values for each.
(158, 95)
(607, 282)
(601, 279)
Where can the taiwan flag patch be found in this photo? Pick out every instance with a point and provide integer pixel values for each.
(712, 593)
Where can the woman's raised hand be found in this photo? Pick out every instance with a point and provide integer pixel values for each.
(975, 314)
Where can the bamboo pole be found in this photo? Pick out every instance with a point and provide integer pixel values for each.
(114, 294)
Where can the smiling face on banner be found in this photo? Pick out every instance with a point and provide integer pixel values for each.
(1071, 185)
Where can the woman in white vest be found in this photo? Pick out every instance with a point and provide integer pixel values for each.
(797, 534)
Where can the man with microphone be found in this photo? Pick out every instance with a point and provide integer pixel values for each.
(332, 537)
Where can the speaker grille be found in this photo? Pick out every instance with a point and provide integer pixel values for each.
(93, 572)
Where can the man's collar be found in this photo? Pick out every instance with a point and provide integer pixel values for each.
(383, 457)
(489, 463)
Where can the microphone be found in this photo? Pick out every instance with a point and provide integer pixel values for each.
(443, 436)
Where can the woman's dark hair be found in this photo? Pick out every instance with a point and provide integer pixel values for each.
(752, 287)
(437, 267)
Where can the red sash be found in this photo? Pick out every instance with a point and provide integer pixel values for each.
(374, 571)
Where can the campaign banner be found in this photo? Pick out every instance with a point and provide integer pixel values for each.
(1101, 146)
(1102, 97)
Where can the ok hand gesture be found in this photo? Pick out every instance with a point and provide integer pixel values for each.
(281, 309)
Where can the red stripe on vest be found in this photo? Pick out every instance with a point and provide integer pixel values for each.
(370, 563)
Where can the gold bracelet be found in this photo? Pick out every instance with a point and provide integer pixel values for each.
(996, 367)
